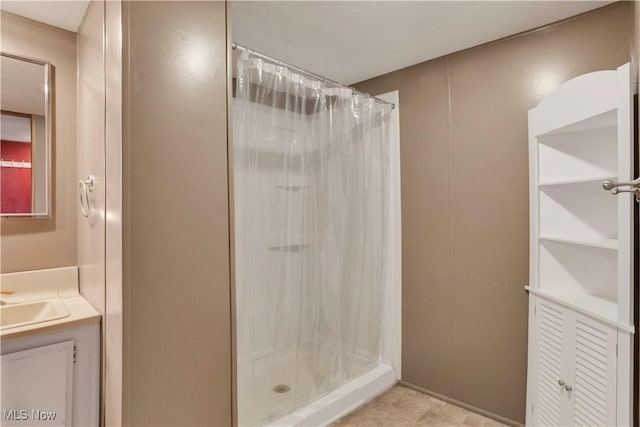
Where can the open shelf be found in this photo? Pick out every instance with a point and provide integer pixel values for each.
(599, 180)
(581, 211)
(599, 243)
(578, 269)
(575, 156)
(608, 119)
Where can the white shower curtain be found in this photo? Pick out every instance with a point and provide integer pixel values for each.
(310, 167)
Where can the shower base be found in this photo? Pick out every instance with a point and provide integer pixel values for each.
(341, 401)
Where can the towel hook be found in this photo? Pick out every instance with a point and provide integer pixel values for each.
(86, 187)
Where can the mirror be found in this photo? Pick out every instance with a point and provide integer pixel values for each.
(25, 137)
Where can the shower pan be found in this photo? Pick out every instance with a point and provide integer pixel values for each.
(316, 180)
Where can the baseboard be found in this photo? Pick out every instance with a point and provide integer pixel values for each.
(463, 405)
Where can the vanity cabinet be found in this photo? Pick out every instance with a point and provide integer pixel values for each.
(574, 367)
(37, 385)
(51, 373)
(581, 254)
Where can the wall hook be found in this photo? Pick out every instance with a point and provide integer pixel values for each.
(86, 187)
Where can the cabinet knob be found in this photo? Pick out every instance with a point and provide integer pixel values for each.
(568, 388)
(560, 383)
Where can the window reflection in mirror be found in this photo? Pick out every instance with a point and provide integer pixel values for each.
(25, 137)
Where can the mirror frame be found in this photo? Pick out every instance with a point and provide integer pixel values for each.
(48, 99)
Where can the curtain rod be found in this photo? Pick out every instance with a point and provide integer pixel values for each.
(235, 46)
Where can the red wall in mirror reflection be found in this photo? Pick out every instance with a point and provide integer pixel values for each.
(15, 183)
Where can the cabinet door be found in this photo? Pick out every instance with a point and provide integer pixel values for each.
(549, 406)
(37, 386)
(593, 384)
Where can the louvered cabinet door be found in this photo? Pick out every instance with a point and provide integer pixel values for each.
(549, 406)
(593, 393)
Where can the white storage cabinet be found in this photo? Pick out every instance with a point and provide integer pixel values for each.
(581, 237)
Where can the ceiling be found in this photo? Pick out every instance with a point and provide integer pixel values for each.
(62, 14)
(351, 41)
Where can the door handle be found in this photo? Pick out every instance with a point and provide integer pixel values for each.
(610, 184)
(615, 189)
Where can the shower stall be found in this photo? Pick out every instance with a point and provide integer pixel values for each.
(316, 205)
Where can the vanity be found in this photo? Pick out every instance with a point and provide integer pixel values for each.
(50, 350)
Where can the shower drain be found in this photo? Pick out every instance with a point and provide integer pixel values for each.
(282, 388)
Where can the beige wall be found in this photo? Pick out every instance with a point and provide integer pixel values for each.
(28, 244)
(91, 124)
(177, 344)
(91, 161)
(112, 320)
(463, 127)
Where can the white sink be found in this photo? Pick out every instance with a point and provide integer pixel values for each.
(14, 315)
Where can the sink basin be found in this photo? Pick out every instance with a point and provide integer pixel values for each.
(14, 315)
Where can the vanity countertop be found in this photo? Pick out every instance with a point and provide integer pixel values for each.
(58, 285)
(80, 312)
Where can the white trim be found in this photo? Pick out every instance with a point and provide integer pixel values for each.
(392, 332)
(625, 246)
(532, 369)
(625, 201)
(534, 214)
(624, 383)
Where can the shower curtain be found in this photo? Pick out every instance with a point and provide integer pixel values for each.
(310, 172)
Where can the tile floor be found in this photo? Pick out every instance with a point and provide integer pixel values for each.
(404, 407)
